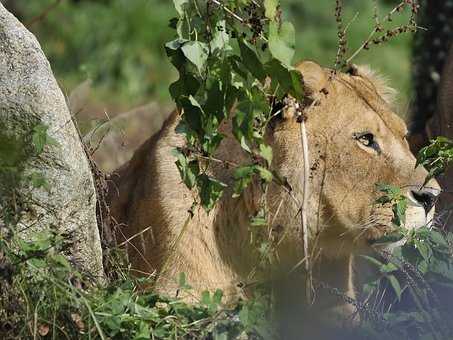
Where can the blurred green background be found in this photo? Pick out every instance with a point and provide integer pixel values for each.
(118, 45)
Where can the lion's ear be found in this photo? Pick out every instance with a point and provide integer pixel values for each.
(315, 78)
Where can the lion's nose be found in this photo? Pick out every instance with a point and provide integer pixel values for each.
(426, 198)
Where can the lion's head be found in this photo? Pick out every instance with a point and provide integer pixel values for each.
(355, 142)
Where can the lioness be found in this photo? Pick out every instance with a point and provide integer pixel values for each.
(355, 141)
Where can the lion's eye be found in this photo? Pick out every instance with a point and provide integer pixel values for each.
(367, 139)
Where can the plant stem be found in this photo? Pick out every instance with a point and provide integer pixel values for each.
(229, 11)
(306, 192)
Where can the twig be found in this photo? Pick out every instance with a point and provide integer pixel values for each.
(134, 236)
(238, 18)
(229, 11)
(342, 41)
(43, 14)
(390, 33)
(363, 46)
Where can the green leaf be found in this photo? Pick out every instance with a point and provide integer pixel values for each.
(423, 249)
(182, 280)
(395, 285)
(186, 85)
(197, 53)
(251, 61)
(244, 316)
(391, 190)
(371, 287)
(243, 129)
(390, 238)
(297, 89)
(372, 260)
(192, 114)
(438, 238)
(399, 211)
(217, 297)
(436, 156)
(282, 42)
(174, 52)
(264, 173)
(215, 103)
(289, 80)
(206, 298)
(243, 177)
(188, 170)
(388, 268)
(266, 153)
(270, 7)
(210, 191)
(444, 268)
(61, 261)
(220, 40)
(40, 138)
(258, 221)
(180, 6)
(143, 332)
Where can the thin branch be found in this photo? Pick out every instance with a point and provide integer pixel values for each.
(43, 14)
(237, 17)
(390, 33)
(134, 236)
(229, 11)
(362, 47)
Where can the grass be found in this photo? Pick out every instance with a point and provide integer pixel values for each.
(43, 296)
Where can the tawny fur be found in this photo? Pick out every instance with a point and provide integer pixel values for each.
(217, 250)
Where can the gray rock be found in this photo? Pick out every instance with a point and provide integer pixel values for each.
(30, 97)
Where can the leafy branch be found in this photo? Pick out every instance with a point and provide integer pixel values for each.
(236, 56)
(436, 156)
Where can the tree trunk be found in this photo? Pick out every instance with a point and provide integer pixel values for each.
(430, 51)
(432, 107)
(52, 181)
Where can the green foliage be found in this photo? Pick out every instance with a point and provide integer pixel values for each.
(394, 196)
(42, 295)
(411, 285)
(436, 156)
(40, 138)
(222, 60)
(19, 148)
(282, 41)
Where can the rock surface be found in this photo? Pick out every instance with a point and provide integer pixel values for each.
(30, 96)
